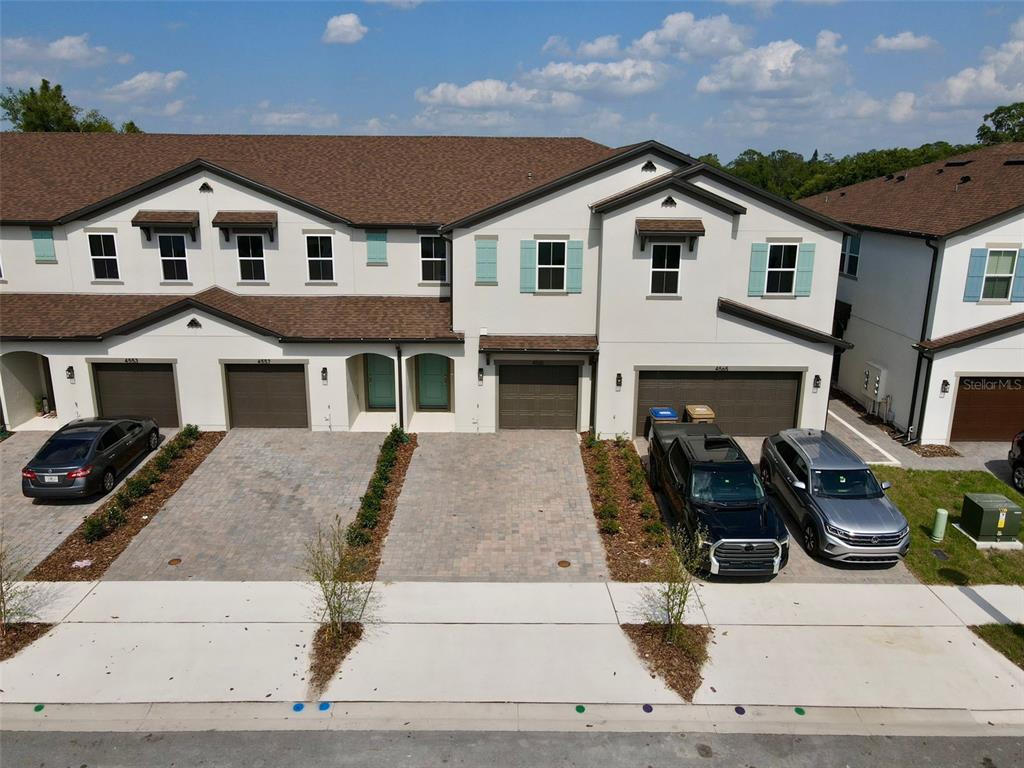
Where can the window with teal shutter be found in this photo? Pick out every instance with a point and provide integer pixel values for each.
(487, 262)
(804, 269)
(377, 247)
(975, 274)
(574, 267)
(527, 266)
(758, 269)
(1017, 292)
(42, 243)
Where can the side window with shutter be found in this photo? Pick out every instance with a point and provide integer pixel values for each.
(527, 266)
(804, 269)
(975, 274)
(758, 269)
(377, 247)
(574, 267)
(1017, 291)
(486, 261)
(42, 244)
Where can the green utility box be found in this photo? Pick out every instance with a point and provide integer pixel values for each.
(990, 517)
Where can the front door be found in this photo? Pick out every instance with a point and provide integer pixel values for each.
(380, 382)
(432, 382)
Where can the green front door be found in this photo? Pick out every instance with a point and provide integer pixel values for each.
(432, 382)
(380, 382)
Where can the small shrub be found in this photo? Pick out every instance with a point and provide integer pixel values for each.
(136, 487)
(162, 462)
(610, 526)
(123, 498)
(609, 511)
(368, 518)
(357, 536)
(655, 528)
(172, 450)
(190, 432)
(114, 516)
(93, 528)
(636, 494)
(648, 511)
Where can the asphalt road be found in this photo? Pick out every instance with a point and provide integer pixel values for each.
(391, 749)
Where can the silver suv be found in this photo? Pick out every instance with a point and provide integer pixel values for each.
(841, 509)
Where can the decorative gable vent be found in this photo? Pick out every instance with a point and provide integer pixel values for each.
(649, 167)
(194, 323)
(205, 187)
(668, 202)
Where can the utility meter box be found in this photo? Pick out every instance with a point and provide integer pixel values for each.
(990, 517)
(874, 381)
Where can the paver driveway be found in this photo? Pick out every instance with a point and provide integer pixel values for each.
(247, 512)
(496, 507)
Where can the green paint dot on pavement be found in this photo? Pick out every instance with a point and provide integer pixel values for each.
(38, 708)
(580, 708)
(800, 711)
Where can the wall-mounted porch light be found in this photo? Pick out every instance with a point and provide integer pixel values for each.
(480, 375)
(817, 382)
(944, 389)
(323, 375)
(618, 381)
(69, 373)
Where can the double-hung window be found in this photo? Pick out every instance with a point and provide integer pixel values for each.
(849, 259)
(999, 267)
(172, 257)
(433, 260)
(781, 273)
(320, 258)
(103, 252)
(665, 268)
(250, 258)
(551, 265)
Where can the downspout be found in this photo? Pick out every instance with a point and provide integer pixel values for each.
(401, 397)
(593, 393)
(451, 281)
(912, 436)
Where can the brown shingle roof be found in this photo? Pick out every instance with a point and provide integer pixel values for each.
(365, 179)
(931, 199)
(500, 343)
(245, 219)
(170, 218)
(972, 335)
(294, 318)
(670, 226)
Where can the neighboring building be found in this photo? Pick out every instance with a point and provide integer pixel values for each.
(447, 283)
(932, 294)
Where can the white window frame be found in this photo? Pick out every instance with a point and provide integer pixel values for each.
(262, 259)
(334, 275)
(447, 265)
(184, 242)
(564, 267)
(768, 269)
(678, 270)
(1010, 274)
(92, 259)
(844, 257)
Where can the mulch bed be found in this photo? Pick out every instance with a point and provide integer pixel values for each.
(678, 665)
(372, 551)
(57, 565)
(19, 634)
(328, 651)
(632, 554)
(927, 451)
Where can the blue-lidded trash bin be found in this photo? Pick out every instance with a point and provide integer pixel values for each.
(662, 414)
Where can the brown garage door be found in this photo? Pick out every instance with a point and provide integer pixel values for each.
(537, 396)
(988, 408)
(137, 389)
(745, 402)
(266, 395)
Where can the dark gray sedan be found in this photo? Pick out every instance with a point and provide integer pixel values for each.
(87, 456)
(839, 506)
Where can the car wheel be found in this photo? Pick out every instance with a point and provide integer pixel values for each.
(811, 539)
(108, 481)
(154, 440)
(1018, 477)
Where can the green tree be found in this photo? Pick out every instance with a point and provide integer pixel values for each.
(48, 109)
(710, 159)
(1002, 124)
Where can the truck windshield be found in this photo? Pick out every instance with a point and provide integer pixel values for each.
(846, 484)
(731, 487)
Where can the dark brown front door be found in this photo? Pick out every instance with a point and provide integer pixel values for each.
(137, 389)
(988, 408)
(266, 395)
(537, 396)
(744, 402)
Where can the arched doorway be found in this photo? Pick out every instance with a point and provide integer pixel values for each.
(27, 388)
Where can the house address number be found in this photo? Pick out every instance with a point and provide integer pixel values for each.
(721, 367)
(263, 360)
(131, 359)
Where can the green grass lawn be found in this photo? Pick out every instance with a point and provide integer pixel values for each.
(1008, 639)
(918, 493)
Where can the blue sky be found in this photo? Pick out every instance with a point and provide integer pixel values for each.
(703, 77)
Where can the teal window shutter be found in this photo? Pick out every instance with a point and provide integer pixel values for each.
(758, 269)
(1017, 291)
(975, 274)
(377, 247)
(42, 242)
(487, 261)
(804, 269)
(574, 267)
(527, 266)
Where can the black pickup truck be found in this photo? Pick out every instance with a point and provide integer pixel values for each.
(715, 492)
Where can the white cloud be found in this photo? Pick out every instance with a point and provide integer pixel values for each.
(556, 45)
(125, 58)
(1017, 29)
(495, 94)
(70, 49)
(298, 119)
(345, 28)
(404, 5)
(761, 7)
(684, 35)
(604, 47)
(620, 78)
(173, 107)
(781, 67)
(901, 107)
(998, 79)
(903, 41)
(146, 84)
(433, 118)
(22, 78)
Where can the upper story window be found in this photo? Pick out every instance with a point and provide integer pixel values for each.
(551, 265)
(433, 260)
(665, 268)
(250, 258)
(172, 257)
(849, 259)
(999, 267)
(104, 257)
(781, 274)
(320, 258)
